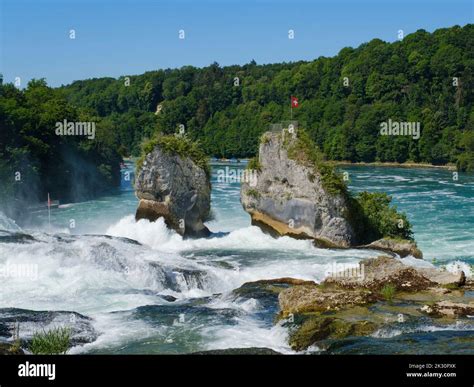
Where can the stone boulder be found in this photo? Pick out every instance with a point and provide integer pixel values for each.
(315, 328)
(383, 270)
(341, 291)
(307, 299)
(288, 197)
(355, 303)
(449, 309)
(402, 247)
(176, 188)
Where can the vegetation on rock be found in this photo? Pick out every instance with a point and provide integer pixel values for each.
(374, 217)
(254, 164)
(179, 145)
(388, 292)
(371, 214)
(53, 342)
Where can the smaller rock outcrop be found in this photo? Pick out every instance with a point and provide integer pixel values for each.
(173, 182)
(449, 309)
(306, 299)
(383, 270)
(402, 247)
(344, 306)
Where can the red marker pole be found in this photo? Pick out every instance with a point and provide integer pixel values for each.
(49, 211)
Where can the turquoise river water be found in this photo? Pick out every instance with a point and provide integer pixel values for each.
(169, 295)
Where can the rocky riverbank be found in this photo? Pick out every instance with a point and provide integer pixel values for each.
(387, 293)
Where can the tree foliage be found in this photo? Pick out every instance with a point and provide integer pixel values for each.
(425, 78)
(36, 161)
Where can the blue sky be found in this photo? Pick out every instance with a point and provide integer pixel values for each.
(126, 37)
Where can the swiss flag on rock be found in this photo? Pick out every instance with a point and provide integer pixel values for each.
(294, 102)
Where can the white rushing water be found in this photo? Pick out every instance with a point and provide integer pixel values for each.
(124, 286)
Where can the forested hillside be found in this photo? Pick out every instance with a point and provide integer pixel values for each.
(35, 161)
(425, 78)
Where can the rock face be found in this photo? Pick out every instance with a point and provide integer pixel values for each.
(175, 188)
(289, 199)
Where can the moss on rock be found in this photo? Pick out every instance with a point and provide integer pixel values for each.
(175, 144)
(316, 328)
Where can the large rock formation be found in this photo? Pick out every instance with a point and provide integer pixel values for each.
(289, 198)
(176, 188)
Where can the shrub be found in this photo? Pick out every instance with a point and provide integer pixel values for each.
(375, 218)
(53, 342)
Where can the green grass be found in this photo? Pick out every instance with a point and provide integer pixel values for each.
(16, 345)
(176, 145)
(303, 150)
(264, 139)
(388, 292)
(53, 342)
(254, 164)
(254, 193)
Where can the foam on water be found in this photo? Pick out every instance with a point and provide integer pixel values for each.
(8, 224)
(107, 278)
(247, 333)
(388, 332)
